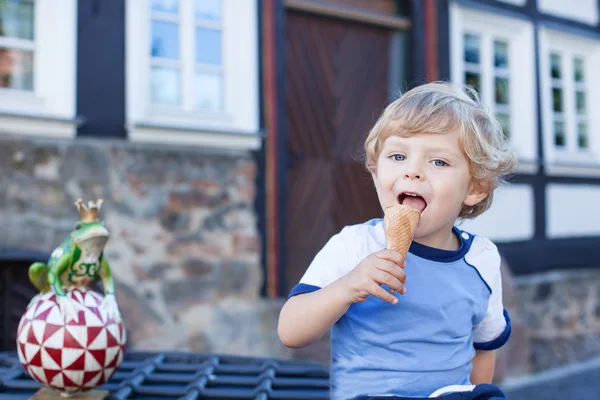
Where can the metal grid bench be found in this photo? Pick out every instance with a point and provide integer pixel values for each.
(189, 376)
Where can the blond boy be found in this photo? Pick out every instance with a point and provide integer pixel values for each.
(439, 151)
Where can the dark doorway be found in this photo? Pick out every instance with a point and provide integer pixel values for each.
(337, 84)
(16, 291)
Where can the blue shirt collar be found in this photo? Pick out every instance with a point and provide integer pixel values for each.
(431, 253)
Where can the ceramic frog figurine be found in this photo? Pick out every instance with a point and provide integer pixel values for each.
(78, 262)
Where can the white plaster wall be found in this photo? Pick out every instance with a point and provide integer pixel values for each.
(585, 11)
(511, 217)
(572, 210)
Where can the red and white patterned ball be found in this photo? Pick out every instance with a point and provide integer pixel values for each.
(72, 357)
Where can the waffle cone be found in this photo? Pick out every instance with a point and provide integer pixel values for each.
(400, 224)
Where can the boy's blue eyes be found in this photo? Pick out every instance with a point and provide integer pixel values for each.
(437, 163)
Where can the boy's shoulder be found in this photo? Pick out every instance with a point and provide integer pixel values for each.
(371, 230)
(483, 255)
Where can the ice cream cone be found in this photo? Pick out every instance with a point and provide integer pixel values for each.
(400, 223)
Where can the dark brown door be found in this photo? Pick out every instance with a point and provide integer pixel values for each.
(336, 86)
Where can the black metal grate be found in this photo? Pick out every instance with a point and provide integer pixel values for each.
(189, 376)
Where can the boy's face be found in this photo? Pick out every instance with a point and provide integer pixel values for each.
(430, 173)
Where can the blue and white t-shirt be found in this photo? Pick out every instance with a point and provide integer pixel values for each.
(452, 306)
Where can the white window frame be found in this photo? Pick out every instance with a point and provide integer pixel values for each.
(570, 46)
(238, 124)
(50, 109)
(519, 34)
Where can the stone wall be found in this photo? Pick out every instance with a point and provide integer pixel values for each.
(184, 246)
(561, 312)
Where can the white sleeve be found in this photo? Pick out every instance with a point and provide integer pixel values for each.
(330, 264)
(495, 329)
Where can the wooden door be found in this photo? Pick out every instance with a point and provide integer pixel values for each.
(336, 86)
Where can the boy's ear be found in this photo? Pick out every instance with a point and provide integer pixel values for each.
(478, 190)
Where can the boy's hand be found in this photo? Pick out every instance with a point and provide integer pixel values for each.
(383, 267)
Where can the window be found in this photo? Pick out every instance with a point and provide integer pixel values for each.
(567, 92)
(192, 71)
(494, 55)
(17, 45)
(37, 67)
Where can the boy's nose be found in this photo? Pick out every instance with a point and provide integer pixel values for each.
(412, 174)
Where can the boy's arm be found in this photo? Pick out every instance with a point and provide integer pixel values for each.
(305, 318)
(483, 367)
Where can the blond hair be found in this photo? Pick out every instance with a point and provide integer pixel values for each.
(439, 107)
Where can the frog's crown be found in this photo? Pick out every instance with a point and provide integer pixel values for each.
(89, 213)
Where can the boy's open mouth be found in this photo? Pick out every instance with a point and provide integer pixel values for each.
(413, 200)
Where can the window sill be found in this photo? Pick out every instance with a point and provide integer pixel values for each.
(38, 125)
(572, 168)
(147, 132)
(172, 115)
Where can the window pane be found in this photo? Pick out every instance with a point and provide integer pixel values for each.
(209, 91)
(555, 69)
(16, 19)
(165, 40)
(580, 100)
(472, 49)
(208, 46)
(208, 9)
(578, 67)
(166, 6)
(472, 79)
(582, 135)
(504, 120)
(557, 99)
(559, 133)
(16, 69)
(501, 90)
(165, 86)
(500, 54)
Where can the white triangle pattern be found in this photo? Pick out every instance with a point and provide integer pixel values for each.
(43, 307)
(69, 356)
(93, 299)
(91, 319)
(75, 376)
(30, 351)
(24, 333)
(47, 361)
(38, 330)
(57, 340)
(108, 373)
(54, 316)
(77, 295)
(94, 381)
(79, 333)
(114, 330)
(58, 381)
(111, 353)
(21, 355)
(91, 364)
(40, 373)
(100, 342)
